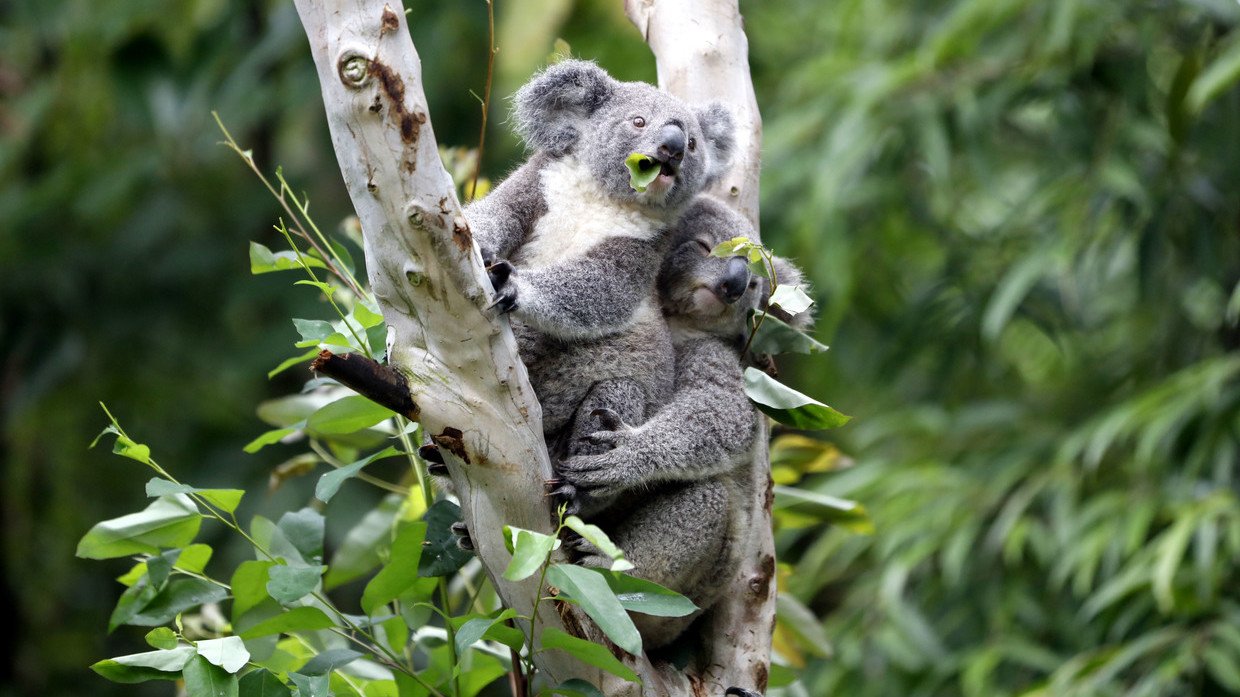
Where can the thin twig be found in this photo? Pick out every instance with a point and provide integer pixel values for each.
(486, 97)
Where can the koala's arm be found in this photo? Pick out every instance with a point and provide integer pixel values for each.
(591, 295)
(501, 220)
(701, 433)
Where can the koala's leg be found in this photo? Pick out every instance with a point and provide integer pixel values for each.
(619, 396)
(677, 538)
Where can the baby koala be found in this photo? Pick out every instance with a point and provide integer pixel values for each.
(682, 478)
(573, 249)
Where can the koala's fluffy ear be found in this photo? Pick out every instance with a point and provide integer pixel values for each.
(551, 108)
(787, 273)
(719, 130)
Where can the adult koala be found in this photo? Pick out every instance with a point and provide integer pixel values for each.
(573, 250)
(684, 475)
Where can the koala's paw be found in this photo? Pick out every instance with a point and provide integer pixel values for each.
(564, 494)
(463, 540)
(615, 434)
(500, 271)
(590, 478)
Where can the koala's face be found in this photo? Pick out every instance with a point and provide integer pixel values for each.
(710, 293)
(575, 108)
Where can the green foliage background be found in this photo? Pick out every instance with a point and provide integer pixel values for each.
(1021, 219)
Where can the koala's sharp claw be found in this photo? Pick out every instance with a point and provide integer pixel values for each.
(431, 454)
(610, 420)
(741, 692)
(463, 540)
(549, 485)
(565, 491)
(437, 469)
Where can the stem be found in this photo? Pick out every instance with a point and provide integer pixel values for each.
(486, 96)
(770, 267)
(364, 345)
(368, 478)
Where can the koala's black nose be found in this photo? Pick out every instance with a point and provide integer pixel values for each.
(735, 280)
(672, 143)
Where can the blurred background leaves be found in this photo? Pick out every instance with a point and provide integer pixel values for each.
(1021, 219)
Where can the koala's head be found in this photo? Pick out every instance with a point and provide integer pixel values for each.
(716, 294)
(575, 108)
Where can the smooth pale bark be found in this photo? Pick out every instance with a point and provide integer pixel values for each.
(464, 374)
(702, 54)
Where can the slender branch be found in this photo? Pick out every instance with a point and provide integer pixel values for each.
(486, 97)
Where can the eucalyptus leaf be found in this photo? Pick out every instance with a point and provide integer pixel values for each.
(787, 406)
(401, 571)
(595, 536)
(140, 667)
(347, 415)
(170, 521)
(643, 170)
(529, 551)
(587, 652)
(589, 589)
(227, 652)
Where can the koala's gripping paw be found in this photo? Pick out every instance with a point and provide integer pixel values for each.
(463, 540)
(595, 477)
(500, 271)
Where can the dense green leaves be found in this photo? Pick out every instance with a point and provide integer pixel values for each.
(401, 571)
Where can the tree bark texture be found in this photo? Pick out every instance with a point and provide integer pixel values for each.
(458, 359)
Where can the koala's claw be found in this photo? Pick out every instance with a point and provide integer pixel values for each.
(430, 453)
(741, 692)
(606, 438)
(437, 469)
(565, 493)
(505, 294)
(463, 540)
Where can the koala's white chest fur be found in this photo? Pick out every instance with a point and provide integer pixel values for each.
(579, 216)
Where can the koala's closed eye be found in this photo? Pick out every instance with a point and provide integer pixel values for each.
(706, 248)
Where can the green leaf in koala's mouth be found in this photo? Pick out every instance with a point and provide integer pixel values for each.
(643, 170)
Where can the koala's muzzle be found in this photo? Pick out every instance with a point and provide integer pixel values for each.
(734, 281)
(671, 144)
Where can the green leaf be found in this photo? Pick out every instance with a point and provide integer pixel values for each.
(595, 536)
(473, 630)
(305, 530)
(791, 299)
(289, 584)
(140, 667)
(313, 331)
(202, 679)
(737, 247)
(346, 415)
(589, 589)
(401, 571)
(787, 406)
(643, 170)
(298, 619)
(359, 552)
(529, 551)
(647, 597)
(329, 660)
(271, 437)
(171, 521)
(289, 363)
(263, 260)
(575, 687)
(262, 683)
(132, 601)
(310, 685)
(800, 508)
(587, 652)
(330, 483)
(441, 555)
(228, 653)
(249, 586)
(162, 638)
(225, 499)
(179, 595)
(775, 337)
(1168, 555)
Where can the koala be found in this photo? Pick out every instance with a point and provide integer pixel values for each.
(573, 250)
(685, 471)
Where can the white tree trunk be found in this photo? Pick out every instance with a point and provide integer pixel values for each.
(702, 55)
(461, 361)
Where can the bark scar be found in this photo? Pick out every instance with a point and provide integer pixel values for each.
(453, 441)
(394, 88)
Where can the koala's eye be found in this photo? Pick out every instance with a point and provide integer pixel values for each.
(706, 248)
(639, 122)
(692, 144)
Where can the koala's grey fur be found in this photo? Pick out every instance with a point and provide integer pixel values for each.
(685, 472)
(580, 249)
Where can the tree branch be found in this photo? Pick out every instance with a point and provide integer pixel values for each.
(381, 384)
